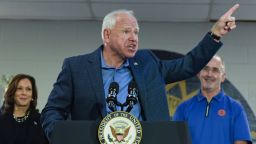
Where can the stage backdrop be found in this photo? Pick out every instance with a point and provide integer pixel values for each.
(4, 80)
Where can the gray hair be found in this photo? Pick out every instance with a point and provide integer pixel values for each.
(222, 62)
(109, 20)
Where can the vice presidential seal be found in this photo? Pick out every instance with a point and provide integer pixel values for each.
(120, 128)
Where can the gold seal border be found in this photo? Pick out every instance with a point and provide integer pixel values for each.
(121, 114)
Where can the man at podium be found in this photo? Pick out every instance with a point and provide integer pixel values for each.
(92, 85)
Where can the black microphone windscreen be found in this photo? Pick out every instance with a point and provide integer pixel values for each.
(132, 85)
(114, 85)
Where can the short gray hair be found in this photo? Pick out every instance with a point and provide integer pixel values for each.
(222, 62)
(109, 20)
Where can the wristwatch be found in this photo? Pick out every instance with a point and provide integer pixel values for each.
(214, 36)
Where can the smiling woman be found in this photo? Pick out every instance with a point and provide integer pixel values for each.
(20, 120)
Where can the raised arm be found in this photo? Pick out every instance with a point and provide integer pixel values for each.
(225, 23)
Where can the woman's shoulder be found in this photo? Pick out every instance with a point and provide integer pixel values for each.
(35, 115)
(6, 123)
(4, 117)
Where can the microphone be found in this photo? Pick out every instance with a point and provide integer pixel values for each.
(132, 97)
(111, 98)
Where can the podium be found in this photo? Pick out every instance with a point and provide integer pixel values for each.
(86, 132)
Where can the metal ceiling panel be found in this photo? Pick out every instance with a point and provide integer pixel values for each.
(233, 2)
(156, 12)
(246, 12)
(44, 10)
(152, 1)
(145, 10)
(48, 1)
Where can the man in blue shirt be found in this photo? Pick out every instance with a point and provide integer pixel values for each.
(212, 116)
(82, 85)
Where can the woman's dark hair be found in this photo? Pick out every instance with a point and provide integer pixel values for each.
(8, 104)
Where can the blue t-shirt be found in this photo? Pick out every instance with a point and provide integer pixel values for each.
(221, 121)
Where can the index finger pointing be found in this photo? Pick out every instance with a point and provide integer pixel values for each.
(231, 10)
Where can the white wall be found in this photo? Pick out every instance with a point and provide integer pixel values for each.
(39, 47)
